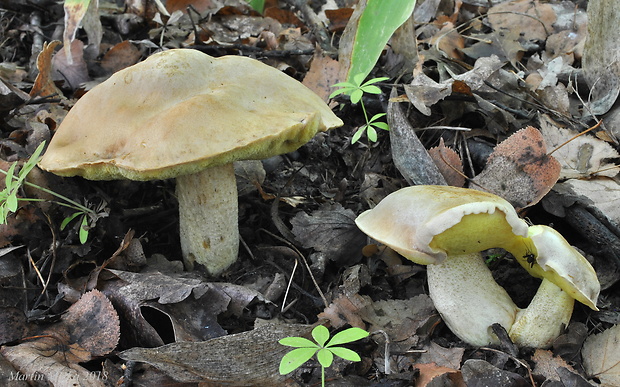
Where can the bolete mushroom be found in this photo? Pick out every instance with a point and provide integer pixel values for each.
(446, 227)
(186, 115)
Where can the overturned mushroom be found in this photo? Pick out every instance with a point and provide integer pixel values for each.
(184, 114)
(446, 228)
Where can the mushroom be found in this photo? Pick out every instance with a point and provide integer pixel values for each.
(186, 115)
(446, 227)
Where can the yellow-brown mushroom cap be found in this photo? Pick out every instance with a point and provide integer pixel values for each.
(181, 111)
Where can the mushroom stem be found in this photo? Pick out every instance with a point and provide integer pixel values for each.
(208, 210)
(468, 298)
(545, 317)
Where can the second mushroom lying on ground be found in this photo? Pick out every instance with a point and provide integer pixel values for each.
(446, 228)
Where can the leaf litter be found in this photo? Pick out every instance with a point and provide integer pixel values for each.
(473, 69)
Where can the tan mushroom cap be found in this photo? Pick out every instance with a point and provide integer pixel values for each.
(181, 111)
(407, 220)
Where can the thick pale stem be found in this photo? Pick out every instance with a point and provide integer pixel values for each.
(208, 211)
(468, 298)
(545, 317)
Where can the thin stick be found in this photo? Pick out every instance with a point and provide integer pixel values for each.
(575, 136)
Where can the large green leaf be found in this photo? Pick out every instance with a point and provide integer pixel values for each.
(369, 29)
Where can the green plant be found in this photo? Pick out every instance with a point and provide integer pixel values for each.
(355, 90)
(9, 202)
(257, 5)
(324, 348)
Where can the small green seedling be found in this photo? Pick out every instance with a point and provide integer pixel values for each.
(324, 348)
(9, 199)
(355, 90)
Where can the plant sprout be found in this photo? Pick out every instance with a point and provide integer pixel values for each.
(322, 346)
(9, 200)
(355, 90)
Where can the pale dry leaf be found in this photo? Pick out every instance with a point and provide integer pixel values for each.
(445, 357)
(604, 194)
(583, 156)
(601, 58)
(601, 356)
(148, 286)
(394, 316)
(242, 359)
(547, 365)
(49, 365)
(423, 92)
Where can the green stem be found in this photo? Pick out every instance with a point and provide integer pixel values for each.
(364, 110)
(322, 376)
(72, 204)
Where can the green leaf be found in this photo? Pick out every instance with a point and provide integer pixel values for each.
(83, 234)
(345, 353)
(375, 80)
(320, 335)
(257, 5)
(381, 125)
(8, 179)
(325, 357)
(338, 92)
(294, 359)
(298, 342)
(358, 79)
(358, 134)
(347, 336)
(356, 96)
(371, 30)
(371, 89)
(68, 220)
(371, 133)
(11, 202)
(376, 117)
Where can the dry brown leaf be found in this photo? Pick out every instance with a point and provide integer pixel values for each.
(123, 54)
(481, 373)
(583, 156)
(43, 84)
(346, 310)
(601, 356)
(449, 41)
(89, 329)
(449, 164)
(519, 169)
(72, 73)
(444, 357)
(532, 19)
(331, 230)
(430, 371)
(323, 73)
